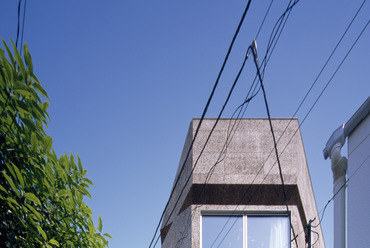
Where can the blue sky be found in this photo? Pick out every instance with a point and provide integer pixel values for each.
(125, 78)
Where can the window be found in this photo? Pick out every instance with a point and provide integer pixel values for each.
(245, 231)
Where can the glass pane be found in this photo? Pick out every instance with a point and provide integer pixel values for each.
(268, 232)
(222, 231)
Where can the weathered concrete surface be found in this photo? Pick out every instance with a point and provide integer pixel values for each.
(240, 152)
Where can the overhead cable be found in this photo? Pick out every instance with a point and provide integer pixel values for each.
(255, 55)
(202, 117)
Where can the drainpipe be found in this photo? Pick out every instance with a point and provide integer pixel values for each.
(339, 168)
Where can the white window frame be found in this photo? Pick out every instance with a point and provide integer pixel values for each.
(245, 216)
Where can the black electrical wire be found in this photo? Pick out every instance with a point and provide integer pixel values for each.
(254, 52)
(336, 193)
(288, 10)
(200, 122)
(19, 16)
(330, 78)
(209, 136)
(335, 72)
(343, 186)
(345, 57)
(264, 18)
(327, 61)
(275, 43)
(322, 69)
(317, 100)
(204, 112)
(24, 18)
(317, 240)
(224, 148)
(18, 24)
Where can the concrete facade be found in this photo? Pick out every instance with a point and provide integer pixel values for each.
(237, 173)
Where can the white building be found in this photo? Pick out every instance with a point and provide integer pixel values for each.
(355, 170)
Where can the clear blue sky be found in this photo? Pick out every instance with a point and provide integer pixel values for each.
(125, 78)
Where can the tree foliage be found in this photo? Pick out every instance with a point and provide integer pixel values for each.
(41, 195)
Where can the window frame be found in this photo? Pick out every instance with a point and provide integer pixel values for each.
(244, 215)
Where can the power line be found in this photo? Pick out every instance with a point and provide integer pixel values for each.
(254, 51)
(18, 23)
(289, 8)
(274, 46)
(327, 61)
(264, 18)
(335, 72)
(19, 16)
(24, 18)
(319, 74)
(209, 136)
(312, 108)
(224, 148)
(343, 186)
(202, 117)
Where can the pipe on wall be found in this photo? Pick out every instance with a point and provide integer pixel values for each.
(339, 168)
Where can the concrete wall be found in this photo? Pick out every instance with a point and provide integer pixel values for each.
(359, 186)
(239, 168)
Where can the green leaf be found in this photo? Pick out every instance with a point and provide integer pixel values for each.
(79, 164)
(85, 192)
(19, 60)
(64, 192)
(54, 242)
(107, 235)
(40, 89)
(34, 142)
(3, 189)
(48, 141)
(11, 170)
(88, 181)
(10, 181)
(10, 55)
(32, 197)
(37, 214)
(27, 58)
(43, 234)
(100, 224)
(19, 175)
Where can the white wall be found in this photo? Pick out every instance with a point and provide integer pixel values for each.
(359, 186)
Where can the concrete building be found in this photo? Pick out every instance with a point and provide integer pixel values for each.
(357, 167)
(229, 193)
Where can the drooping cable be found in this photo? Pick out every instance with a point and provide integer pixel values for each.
(319, 74)
(307, 116)
(24, 18)
(255, 55)
(336, 193)
(203, 115)
(223, 150)
(327, 61)
(288, 10)
(337, 69)
(332, 198)
(18, 24)
(264, 18)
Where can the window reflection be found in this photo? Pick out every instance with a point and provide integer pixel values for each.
(222, 231)
(260, 231)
